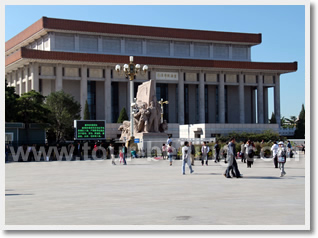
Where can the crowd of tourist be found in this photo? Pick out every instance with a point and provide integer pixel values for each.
(189, 152)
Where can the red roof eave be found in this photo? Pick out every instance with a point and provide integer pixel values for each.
(102, 58)
(25, 34)
(131, 30)
(122, 29)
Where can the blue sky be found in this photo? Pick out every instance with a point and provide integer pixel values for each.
(282, 28)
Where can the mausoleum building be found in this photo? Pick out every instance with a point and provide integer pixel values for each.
(207, 76)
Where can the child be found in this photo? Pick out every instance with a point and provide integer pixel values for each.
(281, 158)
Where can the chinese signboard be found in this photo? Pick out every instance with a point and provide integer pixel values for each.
(166, 76)
(90, 130)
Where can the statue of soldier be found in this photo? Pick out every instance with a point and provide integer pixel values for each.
(143, 115)
(153, 123)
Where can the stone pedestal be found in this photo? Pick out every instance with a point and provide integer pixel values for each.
(151, 141)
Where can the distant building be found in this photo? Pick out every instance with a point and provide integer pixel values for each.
(207, 76)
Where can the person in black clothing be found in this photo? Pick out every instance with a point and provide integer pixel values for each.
(217, 151)
(78, 150)
(124, 150)
(232, 166)
(192, 153)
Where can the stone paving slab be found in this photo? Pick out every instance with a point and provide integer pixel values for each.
(148, 192)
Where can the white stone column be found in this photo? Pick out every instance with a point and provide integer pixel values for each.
(83, 89)
(253, 105)
(108, 96)
(58, 78)
(181, 98)
(128, 98)
(260, 102)
(249, 53)
(153, 76)
(201, 99)
(241, 98)
(277, 99)
(52, 41)
(35, 77)
(26, 76)
(20, 76)
(221, 99)
(265, 91)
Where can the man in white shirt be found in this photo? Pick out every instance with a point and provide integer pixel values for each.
(274, 149)
(205, 150)
(186, 151)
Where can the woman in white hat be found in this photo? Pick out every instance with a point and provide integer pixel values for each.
(281, 158)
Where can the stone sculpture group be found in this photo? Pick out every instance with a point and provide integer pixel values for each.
(147, 116)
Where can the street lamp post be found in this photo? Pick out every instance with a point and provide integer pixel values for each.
(161, 102)
(130, 70)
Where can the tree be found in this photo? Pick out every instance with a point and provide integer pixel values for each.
(283, 122)
(64, 110)
(86, 112)
(272, 120)
(10, 104)
(292, 121)
(122, 116)
(30, 109)
(300, 124)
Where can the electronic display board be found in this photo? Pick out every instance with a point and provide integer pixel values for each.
(90, 130)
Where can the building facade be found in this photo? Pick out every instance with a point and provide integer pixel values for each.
(207, 77)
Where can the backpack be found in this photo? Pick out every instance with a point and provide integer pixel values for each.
(250, 153)
(283, 154)
(169, 149)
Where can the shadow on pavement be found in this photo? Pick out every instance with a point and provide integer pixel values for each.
(205, 174)
(261, 177)
(16, 194)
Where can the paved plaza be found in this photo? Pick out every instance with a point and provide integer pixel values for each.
(149, 192)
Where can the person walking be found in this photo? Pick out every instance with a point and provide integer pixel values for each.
(186, 151)
(289, 149)
(217, 152)
(274, 149)
(192, 153)
(121, 156)
(164, 151)
(205, 150)
(261, 153)
(169, 140)
(243, 152)
(281, 158)
(111, 150)
(170, 151)
(124, 150)
(231, 159)
(78, 150)
(249, 153)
